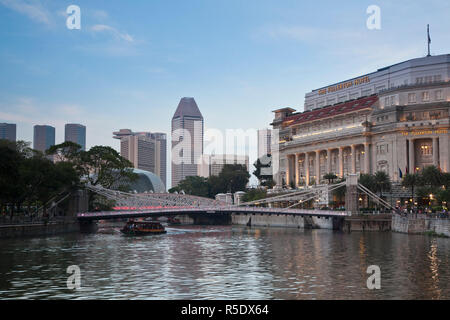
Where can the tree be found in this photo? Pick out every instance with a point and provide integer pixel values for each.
(264, 165)
(368, 181)
(194, 185)
(330, 177)
(104, 166)
(382, 182)
(254, 194)
(234, 177)
(411, 180)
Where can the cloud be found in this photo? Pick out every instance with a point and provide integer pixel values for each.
(33, 9)
(108, 29)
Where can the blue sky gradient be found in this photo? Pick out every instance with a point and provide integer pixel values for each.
(132, 61)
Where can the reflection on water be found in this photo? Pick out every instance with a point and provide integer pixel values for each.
(193, 262)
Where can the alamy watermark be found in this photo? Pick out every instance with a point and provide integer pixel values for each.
(74, 280)
(74, 19)
(374, 20)
(374, 280)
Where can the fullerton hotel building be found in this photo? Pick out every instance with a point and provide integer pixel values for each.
(394, 120)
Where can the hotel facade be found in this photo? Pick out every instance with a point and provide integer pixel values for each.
(394, 120)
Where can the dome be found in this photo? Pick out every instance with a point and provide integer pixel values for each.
(147, 182)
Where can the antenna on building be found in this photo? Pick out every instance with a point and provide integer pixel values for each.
(429, 40)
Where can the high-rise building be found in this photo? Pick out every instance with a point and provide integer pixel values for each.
(264, 142)
(212, 165)
(44, 137)
(187, 140)
(8, 131)
(76, 133)
(146, 150)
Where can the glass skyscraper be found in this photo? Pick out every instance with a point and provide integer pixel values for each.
(44, 137)
(75, 133)
(8, 131)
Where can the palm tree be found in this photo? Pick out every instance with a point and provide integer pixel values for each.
(382, 182)
(411, 180)
(330, 177)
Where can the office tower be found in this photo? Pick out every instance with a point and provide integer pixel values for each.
(212, 165)
(264, 141)
(44, 137)
(76, 133)
(8, 131)
(187, 140)
(146, 150)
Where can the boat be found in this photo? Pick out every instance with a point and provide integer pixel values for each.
(142, 228)
(173, 221)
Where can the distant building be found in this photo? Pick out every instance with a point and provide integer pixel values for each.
(8, 131)
(43, 138)
(264, 142)
(187, 140)
(146, 150)
(212, 165)
(75, 133)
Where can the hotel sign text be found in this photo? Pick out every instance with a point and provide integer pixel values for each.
(345, 85)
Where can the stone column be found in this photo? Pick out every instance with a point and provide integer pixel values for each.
(317, 166)
(296, 171)
(328, 161)
(341, 162)
(288, 167)
(367, 158)
(307, 169)
(411, 165)
(436, 152)
(353, 159)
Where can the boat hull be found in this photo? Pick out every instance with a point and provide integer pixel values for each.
(142, 233)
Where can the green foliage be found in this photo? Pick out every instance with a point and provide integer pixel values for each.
(382, 182)
(262, 165)
(330, 177)
(368, 181)
(29, 177)
(232, 178)
(429, 181)
(254, 194)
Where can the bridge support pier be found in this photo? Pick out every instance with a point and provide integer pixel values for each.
(351, 195)
(88, 226)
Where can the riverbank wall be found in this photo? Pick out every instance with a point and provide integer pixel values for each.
(420, 224)
(38, 229)
(282, 220)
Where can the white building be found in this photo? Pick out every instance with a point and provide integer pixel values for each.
(415, 71)
(264, 142)
(146, 150)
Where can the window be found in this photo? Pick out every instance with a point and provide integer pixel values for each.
(392, 100)
(411, 97)
(437, 78)
(419, 80)
(426, 150)
(439, 95)
(428, 79)
(425, 96)
(386, 101)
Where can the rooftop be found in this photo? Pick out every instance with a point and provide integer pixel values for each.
(331, 111)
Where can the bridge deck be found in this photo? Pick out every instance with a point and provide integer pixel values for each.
(157, 212)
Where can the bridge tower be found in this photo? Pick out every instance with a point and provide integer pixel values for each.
(351, 196)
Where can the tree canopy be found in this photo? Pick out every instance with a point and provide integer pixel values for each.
(232, 178)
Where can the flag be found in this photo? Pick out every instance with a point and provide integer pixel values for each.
(428, 31)
(400, 173)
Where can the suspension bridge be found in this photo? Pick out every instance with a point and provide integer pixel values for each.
(143, 205)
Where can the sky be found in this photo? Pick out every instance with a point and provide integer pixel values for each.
(132, 61)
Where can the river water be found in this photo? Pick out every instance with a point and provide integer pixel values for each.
(226, 262)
